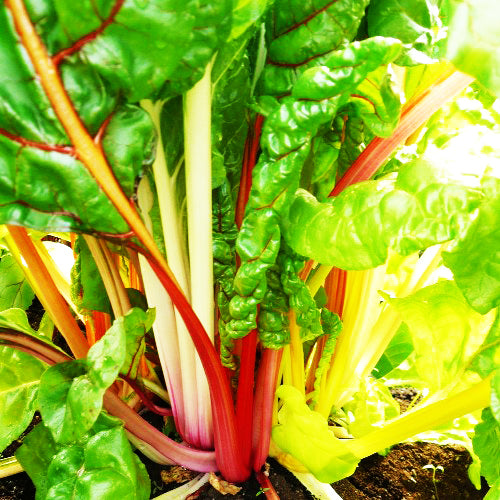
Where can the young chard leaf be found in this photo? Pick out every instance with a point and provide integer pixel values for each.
(100, 465)
(19, 379)
(71, 393)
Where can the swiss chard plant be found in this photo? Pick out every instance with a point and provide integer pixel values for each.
(264, 212)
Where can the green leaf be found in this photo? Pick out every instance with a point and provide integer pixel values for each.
(422, 208)
(245, 15)
(19, 378)
(100, 465)
(475, 258)
(304, 434)
(474, 40)
(400, 347)
(442, 325)
(486, 442)
(302, 35)
(370, 407)
(487, 358)
(495, 396)
(494, 491)
(15, 291)
(414, 22)
(71, 393)
(104, 53)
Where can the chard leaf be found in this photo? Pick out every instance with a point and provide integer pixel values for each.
(486, 443)
(15, 291)
(474, 39)
(414, 22)
(245, 15)
(105, 54)
(100, 465)
(19, 378)
(302, 35)
(355, 230)
(487, 359)
(495, 396)
(304, 434)
(443, 327)
(475, 258)
(400, 347)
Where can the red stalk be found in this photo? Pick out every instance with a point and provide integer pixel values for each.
(244, 395)
(265, 387)
(266, 486)
(415, 114)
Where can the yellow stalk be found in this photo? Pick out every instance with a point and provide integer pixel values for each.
(9, 467)
(318, 279)
(296, 355)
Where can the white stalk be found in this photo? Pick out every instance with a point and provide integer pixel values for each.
(198, 163)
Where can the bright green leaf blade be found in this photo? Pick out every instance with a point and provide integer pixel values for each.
(101, 465)
(475, 258)
(495, 396)
(400, 347)
(19, 378)
(414, 22)
(473, 43)
(441, 324)
(486, 442)
(487, 359)
(304, 434)
(355, 229)
(494, 492)
(15, 291)
(245, 14)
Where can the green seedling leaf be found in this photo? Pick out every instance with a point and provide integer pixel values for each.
(420, 209)
(486, 443)
(19, 379)
(100, 465)
(475, 258)
(15, 291)
(304, 434)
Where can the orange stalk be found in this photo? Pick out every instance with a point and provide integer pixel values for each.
(48, 293)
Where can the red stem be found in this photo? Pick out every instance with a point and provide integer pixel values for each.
(267, 378)
(244, 396)
(415, 114)
(229, 459)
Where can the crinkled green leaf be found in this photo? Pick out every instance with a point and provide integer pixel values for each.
(100, 465)
(370, 408)
(19, 378)
(400, 347)
(305, 435)
(475, 258)
(486, 442)
(302, 35)
(378, 102)
(345, 69)
(415, 22)
(442, 325)
(473, 43)
(15, 291)
(422, 208)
